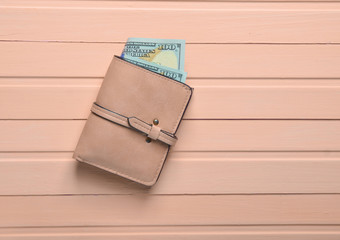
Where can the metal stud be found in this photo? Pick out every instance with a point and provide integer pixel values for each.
(148, 140)
(155, 121)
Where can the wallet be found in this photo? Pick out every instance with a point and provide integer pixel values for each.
(133, 122)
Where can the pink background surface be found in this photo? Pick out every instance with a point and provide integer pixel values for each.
(258, 155)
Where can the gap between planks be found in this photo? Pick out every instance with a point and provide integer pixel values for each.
(293, 232)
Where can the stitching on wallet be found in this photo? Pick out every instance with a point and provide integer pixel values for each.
(136, 122)
(101, 108)
(104, 111)
(161, 137)
(164, 139)
(109, 115)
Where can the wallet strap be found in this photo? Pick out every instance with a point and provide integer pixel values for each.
(152, 131)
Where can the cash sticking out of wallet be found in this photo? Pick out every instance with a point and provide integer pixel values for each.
(163, 56)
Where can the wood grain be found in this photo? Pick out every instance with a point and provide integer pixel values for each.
(193, 135)
(22, 59)
(183, 173)
(71, 98)
(160, 210)
(214, 22)
(175, 232)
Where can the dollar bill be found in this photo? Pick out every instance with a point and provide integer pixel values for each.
(168, 72)
(165, 52)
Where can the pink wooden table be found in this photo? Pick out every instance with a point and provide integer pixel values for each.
(258, 155)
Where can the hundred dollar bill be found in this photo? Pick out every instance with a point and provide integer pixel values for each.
(168, 72)
(165, 52)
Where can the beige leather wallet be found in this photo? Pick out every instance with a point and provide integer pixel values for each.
(133, 122)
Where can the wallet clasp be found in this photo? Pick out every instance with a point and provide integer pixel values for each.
(151, 130)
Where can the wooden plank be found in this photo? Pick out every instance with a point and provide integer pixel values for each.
(175, 232)
(192, 4)
(45, 59)
(41, 98)
(115, 22)
(154, 4)
(160, 210)
(194, 135)
(183, 173)
(261, 135)
(71, 98)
